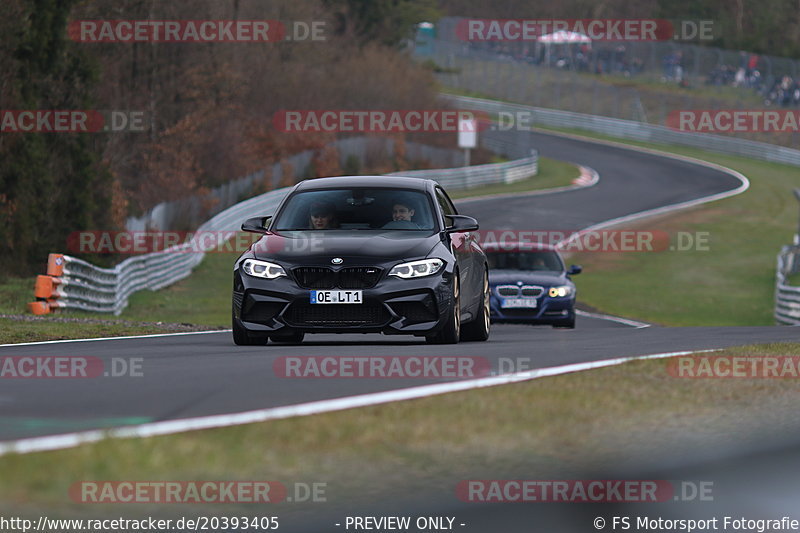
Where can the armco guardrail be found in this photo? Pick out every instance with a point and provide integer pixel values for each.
(787, 297)
(76, 284)
(475, 176)
(629, 129)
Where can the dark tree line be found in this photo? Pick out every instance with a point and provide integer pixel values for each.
(50, 184)
(208, 105)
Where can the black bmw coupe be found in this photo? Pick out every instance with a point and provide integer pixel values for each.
(365, 254)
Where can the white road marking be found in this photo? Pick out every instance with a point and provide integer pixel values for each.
(153, 335)
(168, 427)
(69, 440)
(628, 322)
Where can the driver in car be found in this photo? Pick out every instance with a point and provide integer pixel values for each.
(322, 216)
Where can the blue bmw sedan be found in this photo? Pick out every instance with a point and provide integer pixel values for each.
(530, 284)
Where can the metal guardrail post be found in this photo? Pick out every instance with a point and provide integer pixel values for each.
(787, 297)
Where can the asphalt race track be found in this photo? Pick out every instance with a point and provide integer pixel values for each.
(201, 374)
(630, 182)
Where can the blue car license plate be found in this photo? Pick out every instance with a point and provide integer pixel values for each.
(519, 302)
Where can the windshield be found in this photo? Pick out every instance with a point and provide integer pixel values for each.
(356, 209)
(540, 260)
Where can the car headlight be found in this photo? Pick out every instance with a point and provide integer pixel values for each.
(417, 269)
(262, 269)
(560, 292)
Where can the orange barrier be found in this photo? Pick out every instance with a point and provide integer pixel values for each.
(46, 287)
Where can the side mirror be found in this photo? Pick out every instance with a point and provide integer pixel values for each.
(574, 269)
(256, 224)
(460, 223)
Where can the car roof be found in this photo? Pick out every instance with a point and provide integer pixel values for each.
(398, 182)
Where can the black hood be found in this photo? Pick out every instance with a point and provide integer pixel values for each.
(528, 277)
(353, 246)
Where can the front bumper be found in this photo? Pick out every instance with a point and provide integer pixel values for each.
(393, 307)
(547, 311)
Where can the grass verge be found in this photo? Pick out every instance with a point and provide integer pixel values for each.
(729, 279)
(15, 329)
(729, 282)
(561, 427)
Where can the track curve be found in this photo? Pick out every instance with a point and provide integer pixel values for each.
(194, 375)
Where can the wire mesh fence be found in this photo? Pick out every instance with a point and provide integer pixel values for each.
(639, 81)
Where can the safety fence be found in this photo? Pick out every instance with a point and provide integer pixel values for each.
(476, 176)
(477, 71)
(648, 59)
(76, 284)
(629, 129)
(787, 296)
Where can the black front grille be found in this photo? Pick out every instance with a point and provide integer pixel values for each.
(508, 291)
(532, 291)
(416, 311)
(300, 314)
(358, 277)
(346, 278)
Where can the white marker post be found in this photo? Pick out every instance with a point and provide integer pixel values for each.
(797, 235)
(467, 136)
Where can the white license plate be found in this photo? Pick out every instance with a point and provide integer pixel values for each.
(519, 302)
(336, 297)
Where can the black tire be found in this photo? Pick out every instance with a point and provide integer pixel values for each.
(478, 329)
(241, 337)
(451, 332)
(292, 338)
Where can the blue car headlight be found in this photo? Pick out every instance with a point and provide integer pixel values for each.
(560, 291)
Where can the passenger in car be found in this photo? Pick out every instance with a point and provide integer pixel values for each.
(402, 210)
